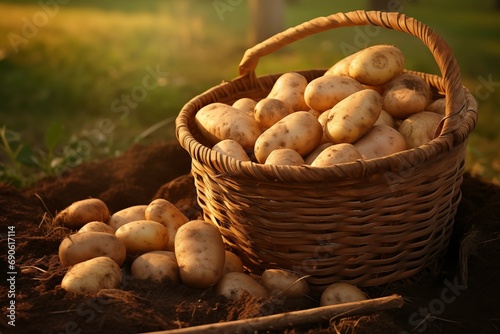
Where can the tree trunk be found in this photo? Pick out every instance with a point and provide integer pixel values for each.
(266, 19)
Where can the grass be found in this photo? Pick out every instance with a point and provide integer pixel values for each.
(88, 67)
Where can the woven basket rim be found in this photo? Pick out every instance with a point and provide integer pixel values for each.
(448, 138)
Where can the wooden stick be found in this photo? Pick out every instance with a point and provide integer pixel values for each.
(294, 318)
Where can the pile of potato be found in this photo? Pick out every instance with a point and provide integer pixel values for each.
(365, 106)
(157, 242)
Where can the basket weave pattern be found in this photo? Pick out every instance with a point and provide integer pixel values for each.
(367, 222)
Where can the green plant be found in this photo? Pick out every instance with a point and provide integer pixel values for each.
(22, 165)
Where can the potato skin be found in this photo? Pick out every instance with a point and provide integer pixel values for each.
(377, 64)
(143, 236)
(438, 106)
(91, 276)
(284, 156)
(245, 104)
(406, 95)
(162, 211)
(338, 293)
(336, 154)
(127, 215)
(314, 154)
(287, 283)
(81, 212)
(289, 88)
(385, 118)
(419, 128)
(231, 148)
(232, 263)
(83, 246)
(233, 284)
(380, 141)
(200, 253)
(341, 67)
(352, 117)
(159, 266)
(326, 91)
(269, 111)
(96, 226)
(218, 121)
(299, 131)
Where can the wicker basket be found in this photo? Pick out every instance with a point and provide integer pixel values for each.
(367, 222)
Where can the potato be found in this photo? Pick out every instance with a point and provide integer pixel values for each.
(96, 226)
(419, 128)
(406, 95)
(341, 67)
(284, 282)
(352, 117)
(336, 154)
(438, 106)
(231, 148)
(339, 293)
(377, 64)
(289, 88)
(323, 120)
(162, 211)
(232, 263)
(380, 141)
(200, 253)
(143, 236)
(314, 154)
(91, 276)
(127, 215)
(284, 156)
(83, 246)
(218, 121)
(233, 284)
(245, 104)
(269, 111)
(299, 131)
(82, 212)
(326, 91)
(385, 118)
(160, 266)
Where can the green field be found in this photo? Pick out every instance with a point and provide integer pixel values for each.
(114, 73)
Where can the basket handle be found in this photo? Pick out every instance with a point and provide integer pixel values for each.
(442, 53)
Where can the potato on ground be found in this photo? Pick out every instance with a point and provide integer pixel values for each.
(299, 131)
(339, 293)
(231, 148)
(91, 276)
(83, 246)
(354, 116)
(162, 211)
(143, 236)
(218, 121)
(233, 284)
(82, 212)
(127, 215)
(289, 88)
(160, 266)
(284, 282)
(406, 95)
(200, 253)
(380, 141)
(337, 154)
(377, 64)
(232, 263)
(419, 128)
(326, 91)
(284, 156)
(96, 226)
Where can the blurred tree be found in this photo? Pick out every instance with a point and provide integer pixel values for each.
(378, 5)
(266, 19)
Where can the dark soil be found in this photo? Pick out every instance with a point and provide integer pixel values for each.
(445, 303)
